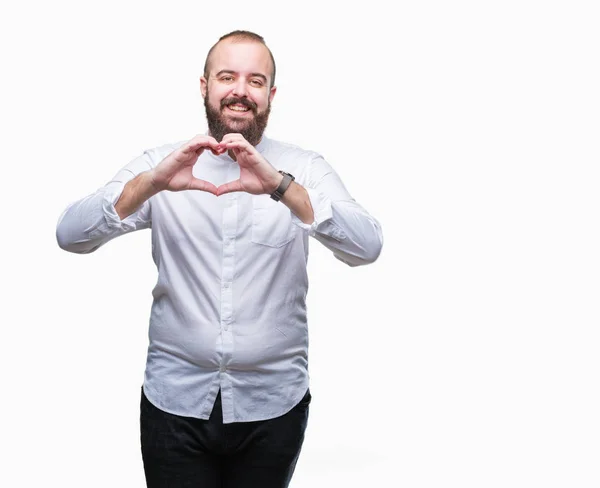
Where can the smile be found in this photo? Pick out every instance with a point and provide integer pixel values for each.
(238, 108)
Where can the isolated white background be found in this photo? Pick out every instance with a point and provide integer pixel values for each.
(467, 356)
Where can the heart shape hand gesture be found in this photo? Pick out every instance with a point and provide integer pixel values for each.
(175, 172)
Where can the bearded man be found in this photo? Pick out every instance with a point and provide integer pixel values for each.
(225, 397)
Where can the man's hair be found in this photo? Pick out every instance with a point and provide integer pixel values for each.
(240, 36)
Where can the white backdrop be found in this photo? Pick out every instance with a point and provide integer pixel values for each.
(466, 356)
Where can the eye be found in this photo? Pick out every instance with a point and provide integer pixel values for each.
(256, 82)
(227, 78)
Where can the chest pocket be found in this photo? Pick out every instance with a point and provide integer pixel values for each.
(271, 222)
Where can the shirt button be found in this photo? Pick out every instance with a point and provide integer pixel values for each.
(222, 369)
(226, 285)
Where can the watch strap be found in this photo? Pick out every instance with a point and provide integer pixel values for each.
(283, 186)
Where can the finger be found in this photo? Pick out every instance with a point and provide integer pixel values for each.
(229, 188)
(194, 146)
(207, 186)
(200, 142)
(218, 151)
(215, 151)
(233, 137)
(203, 138)
(239, 145)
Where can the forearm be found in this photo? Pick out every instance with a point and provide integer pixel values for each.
(297, 200)
(135, 193)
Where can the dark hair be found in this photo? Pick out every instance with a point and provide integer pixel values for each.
(240, 35)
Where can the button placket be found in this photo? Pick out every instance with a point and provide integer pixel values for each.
(229, 229)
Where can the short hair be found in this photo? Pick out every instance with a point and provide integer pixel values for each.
(240, 35)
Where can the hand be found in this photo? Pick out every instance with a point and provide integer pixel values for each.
(257, 176)
(174, 173)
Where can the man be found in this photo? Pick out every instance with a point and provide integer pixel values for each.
(225, 395)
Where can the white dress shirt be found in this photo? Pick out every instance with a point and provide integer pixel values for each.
(229, 309)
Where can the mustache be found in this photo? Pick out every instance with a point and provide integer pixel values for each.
(242, 101)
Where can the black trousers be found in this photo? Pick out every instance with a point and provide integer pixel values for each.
(182, 452)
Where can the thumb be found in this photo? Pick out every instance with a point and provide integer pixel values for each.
(202, 185)
(229, 187)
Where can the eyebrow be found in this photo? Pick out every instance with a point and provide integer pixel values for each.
(230, 72)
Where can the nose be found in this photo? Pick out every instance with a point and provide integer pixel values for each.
(240, 89)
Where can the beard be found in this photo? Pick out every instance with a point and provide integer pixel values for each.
(250, 128)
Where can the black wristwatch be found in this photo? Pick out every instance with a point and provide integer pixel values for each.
(283, 186)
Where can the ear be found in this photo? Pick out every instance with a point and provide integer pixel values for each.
(203, 86)
(272, 94)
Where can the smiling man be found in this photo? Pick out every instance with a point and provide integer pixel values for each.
(226, 395)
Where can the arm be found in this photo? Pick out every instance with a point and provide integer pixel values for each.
(340, 223)
(135, 194)
(320, 205)
(123, 204)
(296, 198)
(93, 221)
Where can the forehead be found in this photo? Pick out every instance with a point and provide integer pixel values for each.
(242, 57)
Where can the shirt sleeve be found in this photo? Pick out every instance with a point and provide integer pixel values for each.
(89, 223)
(340, 224)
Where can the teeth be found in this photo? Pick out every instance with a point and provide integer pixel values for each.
(238, 108)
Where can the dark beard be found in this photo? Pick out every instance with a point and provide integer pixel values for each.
(253, 130)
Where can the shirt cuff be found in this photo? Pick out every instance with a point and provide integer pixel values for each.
(112, 194)
(323, 214)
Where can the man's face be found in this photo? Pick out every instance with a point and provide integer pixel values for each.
(236, 95)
